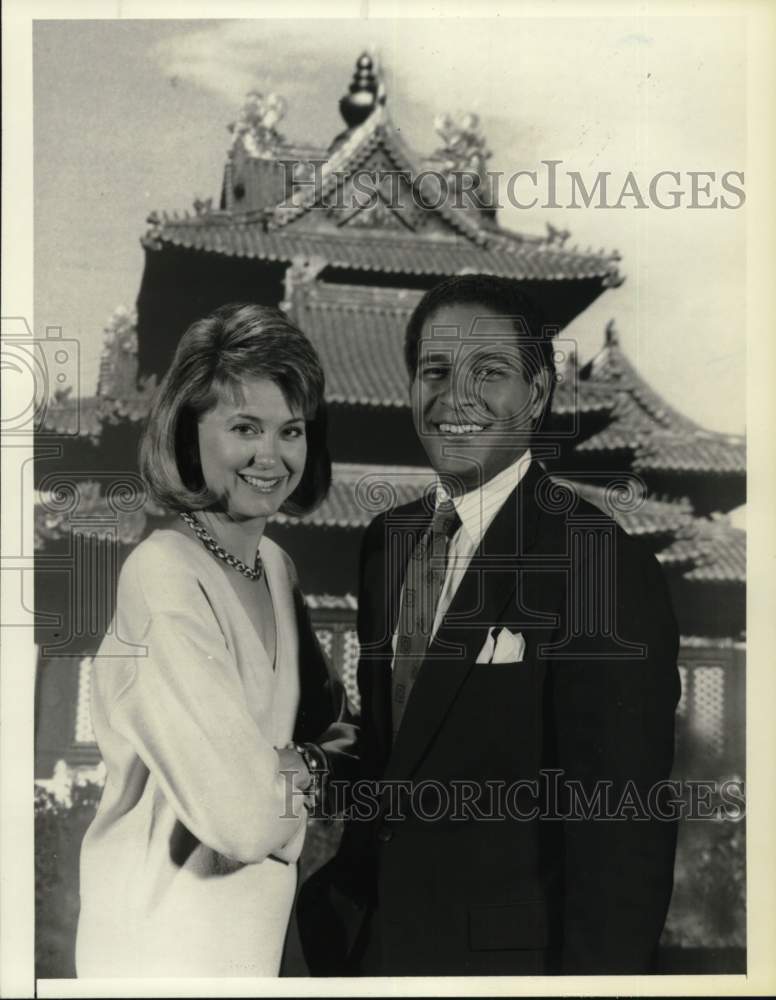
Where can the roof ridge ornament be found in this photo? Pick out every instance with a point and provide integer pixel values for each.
(256, 128)
(464, 151)
(364, 94)
(464, 146)
(557, 237)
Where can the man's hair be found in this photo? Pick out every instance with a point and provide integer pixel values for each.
(502, 296)
(214, 358)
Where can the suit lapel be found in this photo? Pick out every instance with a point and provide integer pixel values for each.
(385, 578)
(486, 589)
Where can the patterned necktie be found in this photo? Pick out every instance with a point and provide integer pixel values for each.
(422, 586)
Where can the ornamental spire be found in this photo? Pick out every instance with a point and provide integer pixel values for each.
(364, 93)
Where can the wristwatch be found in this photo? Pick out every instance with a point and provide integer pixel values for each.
(316, 763)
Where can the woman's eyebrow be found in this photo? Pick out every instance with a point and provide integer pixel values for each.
(258, 420)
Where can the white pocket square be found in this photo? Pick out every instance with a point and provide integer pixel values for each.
(506, 647)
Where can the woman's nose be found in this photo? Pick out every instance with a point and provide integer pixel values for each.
(264, 456)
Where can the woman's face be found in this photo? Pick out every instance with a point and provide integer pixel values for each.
(252, 450)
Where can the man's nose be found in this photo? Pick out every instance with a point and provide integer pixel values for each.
(458, 390)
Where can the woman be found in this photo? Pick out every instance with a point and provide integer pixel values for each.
(211, 669)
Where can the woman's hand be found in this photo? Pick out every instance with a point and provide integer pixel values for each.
(293, 766)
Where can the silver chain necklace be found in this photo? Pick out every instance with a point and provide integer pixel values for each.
(220, 552)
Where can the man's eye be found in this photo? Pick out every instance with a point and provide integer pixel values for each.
(490, 372)
(433, 373)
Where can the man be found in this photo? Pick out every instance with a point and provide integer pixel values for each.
(518, 685)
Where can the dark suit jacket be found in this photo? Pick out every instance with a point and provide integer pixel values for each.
(419, 890)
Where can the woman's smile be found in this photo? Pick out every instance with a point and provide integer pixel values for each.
(252, 450)
(262, 484)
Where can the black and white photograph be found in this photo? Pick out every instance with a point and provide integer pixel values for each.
(386, 408)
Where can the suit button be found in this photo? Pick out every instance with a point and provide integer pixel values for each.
(385, 834)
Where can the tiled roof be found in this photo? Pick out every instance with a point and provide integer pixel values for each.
(687, 451)
(581, 397)
(360, 492)
(376, 132)
(701, 451)
(712, 551)
(638, 405)
(462, 238)
(359, 334)
(360, 340)
(704, 550)
(642, 422)
(378, 252)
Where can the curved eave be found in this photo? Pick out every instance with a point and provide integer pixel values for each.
(711, 554)
(378, 251)
(358, 493)
(701, 453)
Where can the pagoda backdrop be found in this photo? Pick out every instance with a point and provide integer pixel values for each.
(297, 226)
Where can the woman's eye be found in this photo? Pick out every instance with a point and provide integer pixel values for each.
(244, 430)
(295, 432)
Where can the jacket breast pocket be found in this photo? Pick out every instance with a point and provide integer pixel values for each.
(514, 926)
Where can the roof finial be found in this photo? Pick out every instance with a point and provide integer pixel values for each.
(360, 101)
(612, 336)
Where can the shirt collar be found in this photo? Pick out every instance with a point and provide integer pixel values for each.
(477, 508)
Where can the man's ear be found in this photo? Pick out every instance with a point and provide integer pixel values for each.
(540, 391)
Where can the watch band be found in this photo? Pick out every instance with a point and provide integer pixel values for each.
(316, 763)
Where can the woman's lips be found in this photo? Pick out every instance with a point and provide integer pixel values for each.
(261, 484)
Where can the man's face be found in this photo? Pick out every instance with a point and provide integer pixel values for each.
(475, 396)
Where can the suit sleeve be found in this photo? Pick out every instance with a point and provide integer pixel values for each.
(325, 715)
(614, 722)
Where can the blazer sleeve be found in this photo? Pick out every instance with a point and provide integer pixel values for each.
(614, 722)
(183, 710)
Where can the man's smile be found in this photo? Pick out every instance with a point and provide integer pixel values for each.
(458, 429)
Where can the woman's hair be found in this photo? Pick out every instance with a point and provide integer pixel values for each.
(214, 356)
(504, 297)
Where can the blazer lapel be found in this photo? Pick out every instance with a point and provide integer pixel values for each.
(486, 589)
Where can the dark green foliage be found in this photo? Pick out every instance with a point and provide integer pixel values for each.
(708, 907)
(59, 829)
